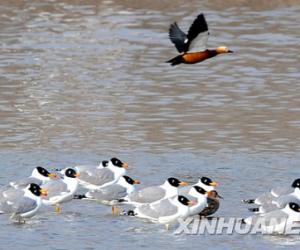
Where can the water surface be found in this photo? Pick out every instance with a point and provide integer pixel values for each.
(81, 81)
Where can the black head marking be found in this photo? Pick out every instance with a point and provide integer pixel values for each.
(42, 171)
(104, 163)
(200, 190)
(70, 172)
(296, 183)
(128, 179)
(116, 162)
(174, 182)
(206, 180)
(35, 189)
(294, 206)
(183, 200)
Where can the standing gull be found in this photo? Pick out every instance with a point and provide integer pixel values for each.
(278, 202)
(268, 197)
(110, 195)
(165, 211)
(24, 204)
(276, 221)
(61, 190)
(100, 177)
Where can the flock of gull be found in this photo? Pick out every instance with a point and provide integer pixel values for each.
(110, 185)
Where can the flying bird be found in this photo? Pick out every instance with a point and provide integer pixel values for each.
(192, 46)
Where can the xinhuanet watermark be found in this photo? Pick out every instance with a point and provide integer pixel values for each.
(222, 225)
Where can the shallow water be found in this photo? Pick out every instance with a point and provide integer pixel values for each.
(81, 82)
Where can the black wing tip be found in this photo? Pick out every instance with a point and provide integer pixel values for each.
(174, 24)
(200, 21)
(201, 16)
(131, 213)
(172, 27)
(79, 196)
(253, 209)
(249, 201)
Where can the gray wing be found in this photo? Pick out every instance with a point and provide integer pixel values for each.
(97, 177)
(109, 193)
(164, 208)
(264, 199)
(212, 207)
(4, 189)
(146, 210)
(25, 182)
(147, 195)
(275, 217)
(24, 205)
(198, 34)
(270, 219)
(278, 191)
(282, 201)
(11, 194)
(82, 168)
(199, 44)
(55, 188)
(19, 206)
(269, 207)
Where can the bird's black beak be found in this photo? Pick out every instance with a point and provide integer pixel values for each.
(230, 51)
(219, 196)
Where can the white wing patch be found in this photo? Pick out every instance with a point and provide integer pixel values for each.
(199, 43)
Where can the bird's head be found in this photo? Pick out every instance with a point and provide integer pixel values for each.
(223, 49)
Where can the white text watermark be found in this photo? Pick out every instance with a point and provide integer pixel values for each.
(221, 225)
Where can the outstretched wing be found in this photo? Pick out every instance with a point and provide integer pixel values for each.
(198, 34)
(196, 38)
(178, 37)
(199, 25)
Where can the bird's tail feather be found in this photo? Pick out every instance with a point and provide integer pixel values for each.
(175, 60)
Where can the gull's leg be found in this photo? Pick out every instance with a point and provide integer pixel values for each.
(113, 210)
(57, 209)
